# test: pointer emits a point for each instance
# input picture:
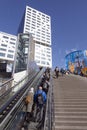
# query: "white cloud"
(71, 50)
(74, 49)
(67, 51)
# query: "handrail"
(21, 82)
(5, 86)
(6, 82)
(49, 115)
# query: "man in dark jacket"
(40, 98)
(40, 92)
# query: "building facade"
(39, 25)
(7, 46)
(7, 50)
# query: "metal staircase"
(70, 103)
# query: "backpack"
(40, 99)
(45, 86)
(27, 99)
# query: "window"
(48, 55)
(10, 51)
(48, 63)
(5, 37)
(12, 43)
(38, 61)
(43, 62)
(10, 56)
(43, 58)
(4, 45)
(43, 54)
(13, 39)
(49, 59)
(2, 54)
(2, 49)
(48, 49)
(34, 11)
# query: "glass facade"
(22, 54)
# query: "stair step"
(70, 128)
(70, 104)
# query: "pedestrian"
(46, 85)
(29, 103)
(56, 72)
(40, 98)
(62, 71)
(37, 94)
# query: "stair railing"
(49, 115)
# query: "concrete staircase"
(70, 103)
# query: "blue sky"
(68, 20)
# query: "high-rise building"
(39, 25)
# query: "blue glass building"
(76, 60)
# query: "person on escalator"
(46, 85)
(29, 103)
(39, 105)
(40, 96)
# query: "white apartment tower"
(39, 25)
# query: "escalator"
(10, 110)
